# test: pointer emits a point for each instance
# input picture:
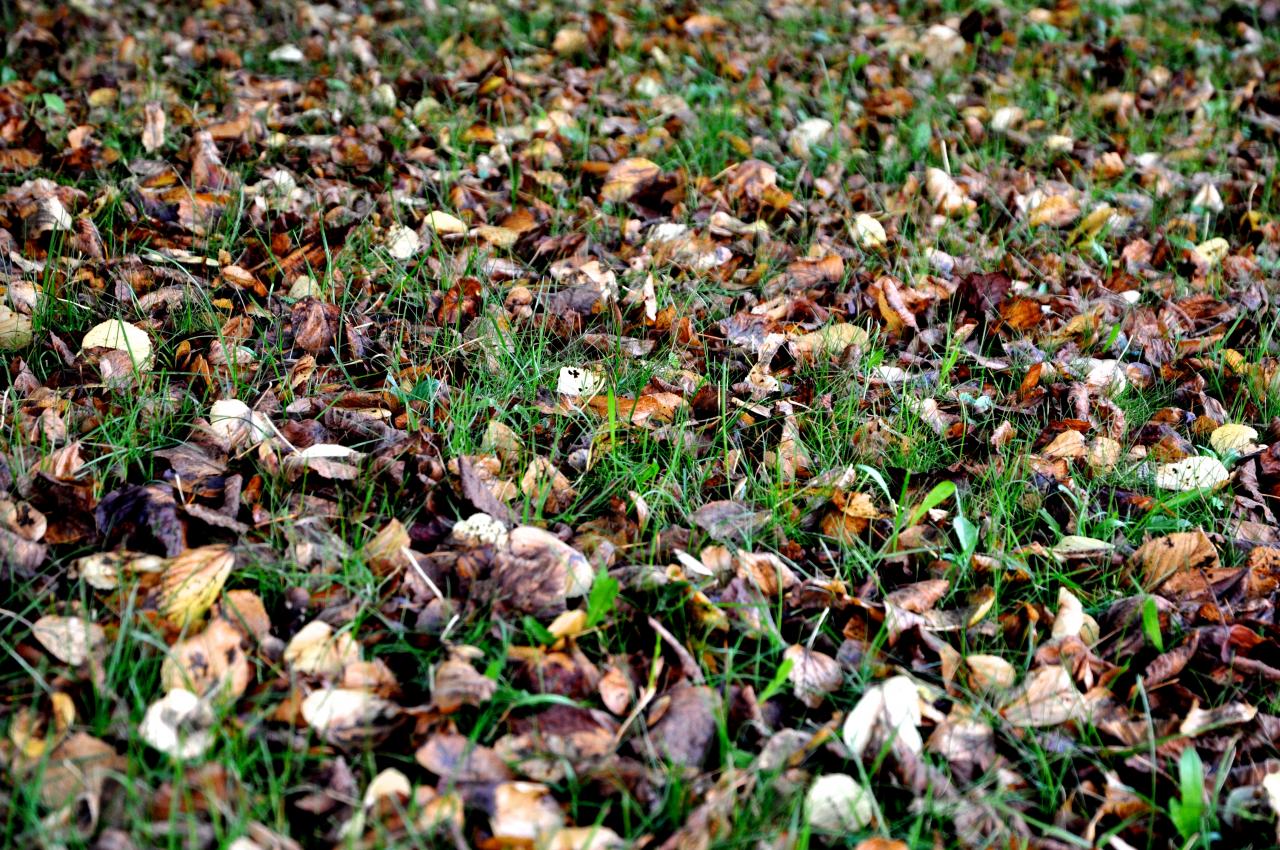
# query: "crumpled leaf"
(179, 724)
(1163, 557)
(1048, 697)
(889, 710)
(813, 675)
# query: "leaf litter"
(651, 426)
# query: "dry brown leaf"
(1069, 445)
(1159, 559)
(546, 486)
(1048, 697)
(458, 683)
(684, 724)
(617, 690)
(537, 571)
(990, 672)
(813, 675)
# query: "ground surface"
(863, 420)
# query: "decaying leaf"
(71, 640)
(685, 726)
(1163, 557)
(813, 675)
(1199, 472)
(317, 651)
(179, 724)
(1048, 697)
(537, 571)
(837, 804)
(211, 663)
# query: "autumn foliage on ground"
(571, 426)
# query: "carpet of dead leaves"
(377, 201)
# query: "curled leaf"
(179, 724)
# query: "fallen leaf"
(457, 683)
(1163, 557)
(153, 126)
(118, 335)
(1232, 437)
(836, 804)
(210, 664)
(317, 651)
(71, 640)
(179, 725)
(524, 813)
(1048, 697)
(15, 330)
(813, 675)
(627, 178)
(537, 571)
(191, 582)
(1199, 472)
(888, 711)
(686, 725)
(346, 716)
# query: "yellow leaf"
(192, 581)
(121, 336)
(627, 178)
